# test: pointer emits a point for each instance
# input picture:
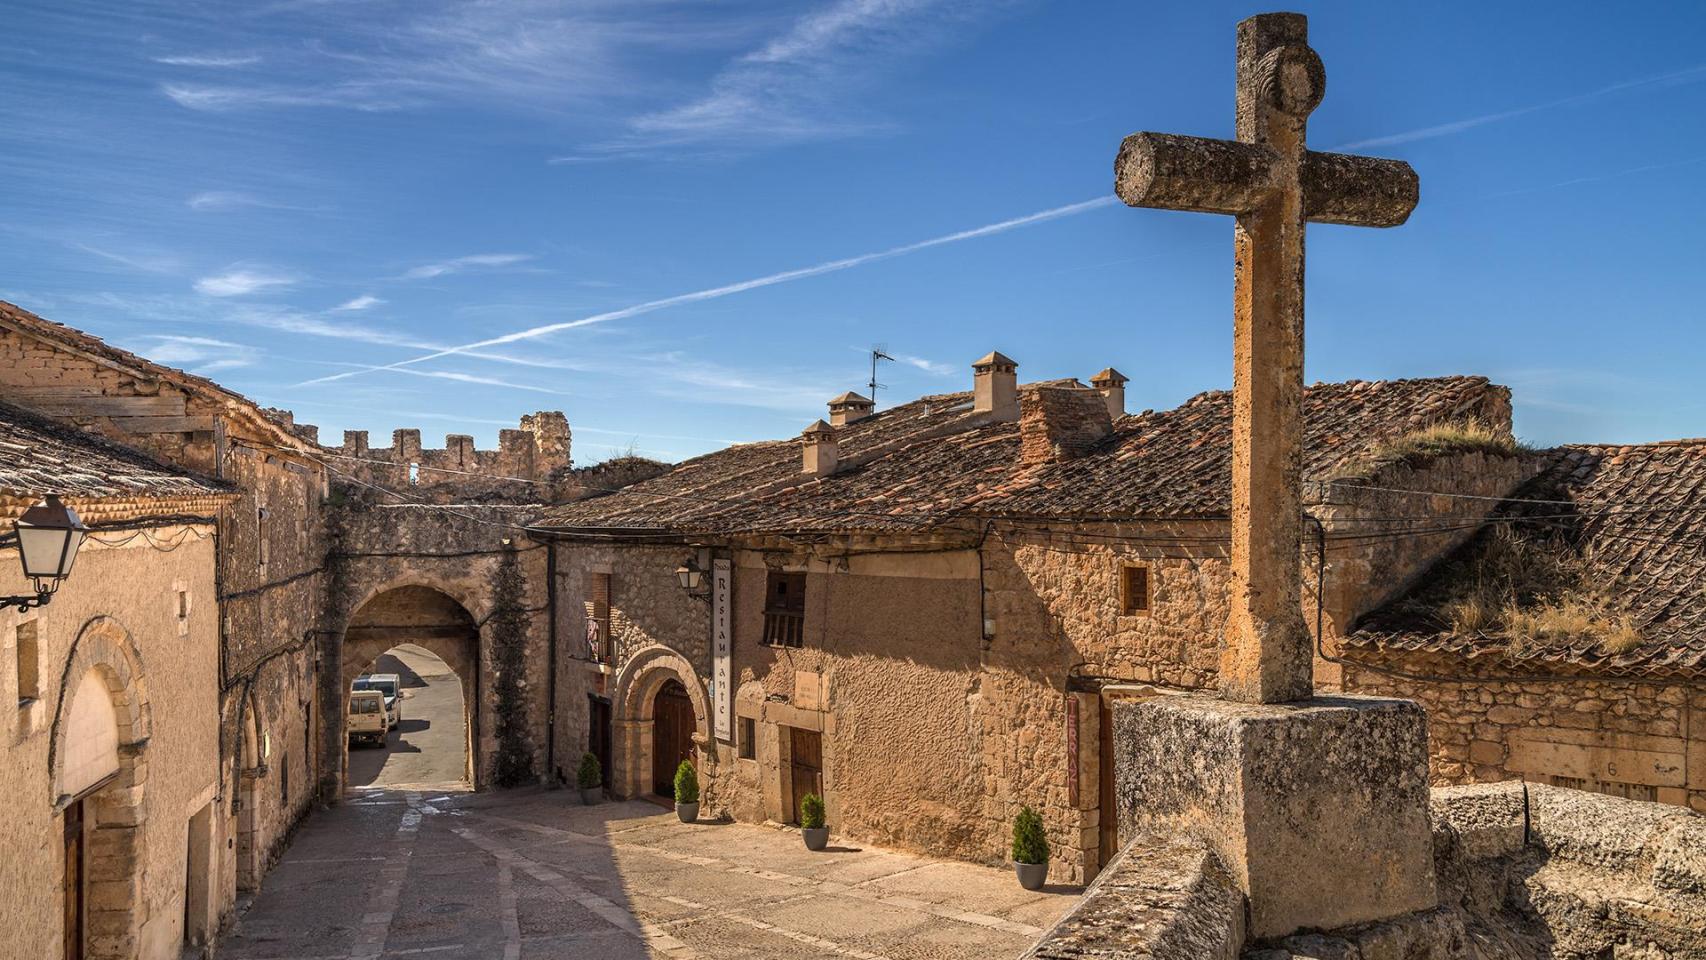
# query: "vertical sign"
(722, 644)
(1071, 750)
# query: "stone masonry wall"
(1642, 740)
(523, 469)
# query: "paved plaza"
(533, 874)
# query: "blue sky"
(277, 193)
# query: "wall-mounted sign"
(722, 648)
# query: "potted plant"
(811, 822)
(1030, 849)
(590, 778)
(686, 792)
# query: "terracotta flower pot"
(688, 812)
(816, 837)
(1032, 876)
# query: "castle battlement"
(527, 461)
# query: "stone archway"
(426, 617)
(251, 761)
(642, 678)
(97, 775)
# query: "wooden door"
(672, 736)
(73, 886)
(598, 734)
(805, 767)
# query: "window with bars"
(785, 609)
(1134, 590)
(598, 617)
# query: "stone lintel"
(1318, 809)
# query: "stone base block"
(1319, 809)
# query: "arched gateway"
(425, 617)
(97, 778)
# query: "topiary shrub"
(686, 783)
(589, 775)
(811, 811)
(1030, 845)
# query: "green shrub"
(811, 811)
(1029, 843)
(686, 783)
(589, 775)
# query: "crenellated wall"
(530, 465)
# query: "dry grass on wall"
(1534, 591)
(1419, 447)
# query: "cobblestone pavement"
(533, 874)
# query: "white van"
(391, 686)
(367, 717)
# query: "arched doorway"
(98, 780)
(428, 745)
(251, 767)
(661, 718)
(404, 631)
(672, 735)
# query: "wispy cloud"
(928, 366)
(459, 264)
(220, 201)
(713, 293)
(1689, 75)
(798, 85)
(472, 378)
(201, 355)
(529, 54)
(239, 281)
(209, 61)
(145, 262)
(366, 301)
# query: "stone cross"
(1273, 185)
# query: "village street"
(533, 874)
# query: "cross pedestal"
(1318, 806)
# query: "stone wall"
(450, 558)
(269, 559)
(119, 614)
(523, 469)
(1642, 740)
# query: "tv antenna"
(876, 354)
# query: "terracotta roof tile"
(1633, 518)
(39, 456)
(935, 462)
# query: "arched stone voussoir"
(646, 672)
(104, 645)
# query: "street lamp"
(689, 575)
(49, 534)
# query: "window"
(29, 663)
(598, 645)
(261, 532)
(414, 473)
(785, 609)
(183, 604)
(748, 739)
(1134, 590)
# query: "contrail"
(714, 293)
(1458, 126)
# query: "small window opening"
(1134, 590)
(183, 604)
(414, 473)
(29, 663)
(748, 739)
(785, 609)
(598, 617)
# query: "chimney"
(1061, 423)
(1110, 383)
(849, 408)
(995, 385)
(818, 452)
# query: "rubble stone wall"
(522, 469)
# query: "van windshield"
(387, 687)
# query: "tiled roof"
(39, 456)
(1632, 519)
(934, 461)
